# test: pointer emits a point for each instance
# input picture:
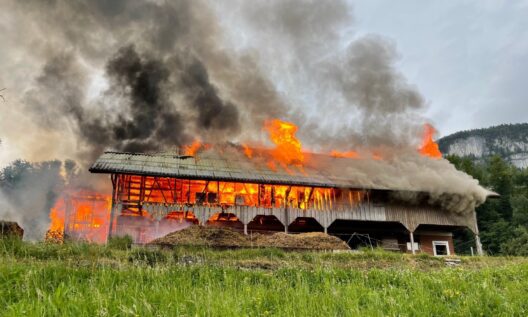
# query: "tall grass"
(88, 280)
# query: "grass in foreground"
(89, 280)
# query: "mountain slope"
(510, 141)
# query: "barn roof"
(417, 174)
(212, 167)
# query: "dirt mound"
(225, 237)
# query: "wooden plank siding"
(409, 216)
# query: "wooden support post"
(411, 234)
(326, 230)
(477, 237)
(245, 229)
(286, 219)
(116, 183)
(478, 245)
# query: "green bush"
(150, 257)
(120, 243)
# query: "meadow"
(79, 279)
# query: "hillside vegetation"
(115, 280)
(503, 222)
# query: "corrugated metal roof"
(218, 168)
(318, 170)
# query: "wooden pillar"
(478, 245)
(286, 219)
(115, 194)
(411, 234)
(245, 229)
(477, 237)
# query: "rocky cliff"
(510, 141)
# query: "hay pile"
(196, 235)
(225, 237)
(310, 240)
(10, 229)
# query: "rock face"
(509, 141)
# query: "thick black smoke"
(167, 80)
(213, 112)
(149, 120)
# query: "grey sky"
(469, 59)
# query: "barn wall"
(426, 243)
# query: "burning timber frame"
(187, 188)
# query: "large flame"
(287, 149)
(81, 214)
(429, 146)
(192, 148)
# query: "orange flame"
(57, 217)
(193, 148)
(348, 154)
(287, 147)
(429, 146)
(247, 151)
(81, 214)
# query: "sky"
(469, 59)
(349, 73)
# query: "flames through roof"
(212, 167)
(230, 164)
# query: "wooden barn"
(160, 193)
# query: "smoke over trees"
(28, 192)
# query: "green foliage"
(519, 244)
(500, 220)
(93, 280)
(120, 243)
(150, 257)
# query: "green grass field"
(78, 279)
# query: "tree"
(518, 245)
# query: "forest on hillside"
(503, 222)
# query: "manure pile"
(225, 237)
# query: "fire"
(287, 149)
(247, 150)
(429, 146)
(57, 217)
(193, 148)
(348, 154)
(81, 214)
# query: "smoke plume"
(28, 192)
(85, 76)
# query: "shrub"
(150, 257)
(120, 243)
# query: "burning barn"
(251, 190)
